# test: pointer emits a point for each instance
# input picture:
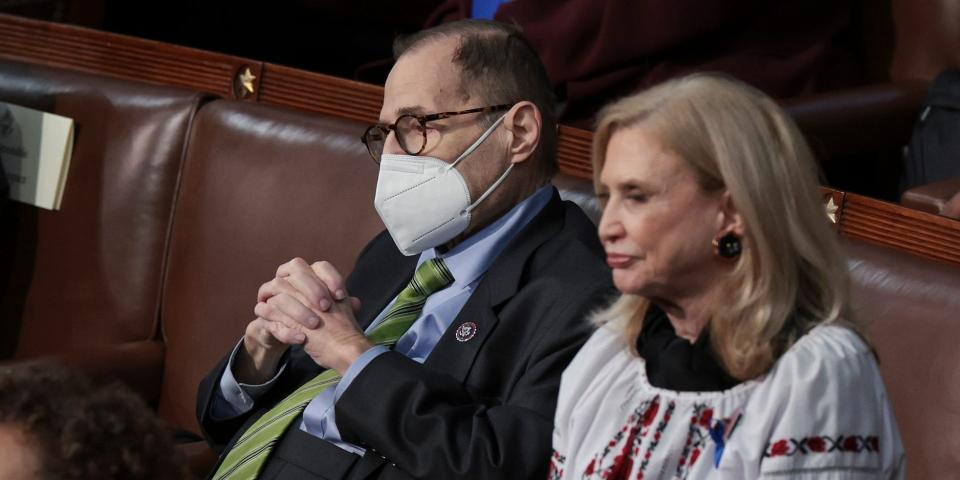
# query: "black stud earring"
(727, 246)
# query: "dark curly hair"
(84, 431)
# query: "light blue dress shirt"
(468, 262)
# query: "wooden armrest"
(932, 197)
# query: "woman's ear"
(729, 219)
(524, 124)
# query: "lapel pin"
(466, 331)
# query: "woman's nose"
(610, 227)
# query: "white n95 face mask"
(424, 201)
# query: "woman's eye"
(637, 197)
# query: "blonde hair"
(791, 275)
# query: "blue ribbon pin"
(716, 433)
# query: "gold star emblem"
(246, 79)
(831, 210)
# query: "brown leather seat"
(87, 277)
(935, 197)
(951, 208)
(260, 186)
(912, 309)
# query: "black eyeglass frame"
(422, 120)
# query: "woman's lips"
(615, 260)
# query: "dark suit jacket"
(476, 409)
(4, 187)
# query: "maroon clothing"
(597, 50)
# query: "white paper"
(35, 148)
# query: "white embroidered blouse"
(820, 413)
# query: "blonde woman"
(731, 352)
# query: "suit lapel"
(499, 284)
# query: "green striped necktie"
(248, 455)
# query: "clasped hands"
(305, 304)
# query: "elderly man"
(440, 356)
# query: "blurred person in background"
(55, 424)
(598, 51)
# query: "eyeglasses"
(411, 130)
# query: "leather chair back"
(89, 274)
(911, 307)
(261, 185)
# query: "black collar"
(673, 363)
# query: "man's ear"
(524, 124)
(729, 219)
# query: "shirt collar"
(471, 258)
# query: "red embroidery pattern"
(619, 456)
(625, 444)
(656, 438)
(696, 439)
(557, 463)
(789, 447)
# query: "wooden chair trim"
(892, 225)
(130, 58)
(120, 56)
